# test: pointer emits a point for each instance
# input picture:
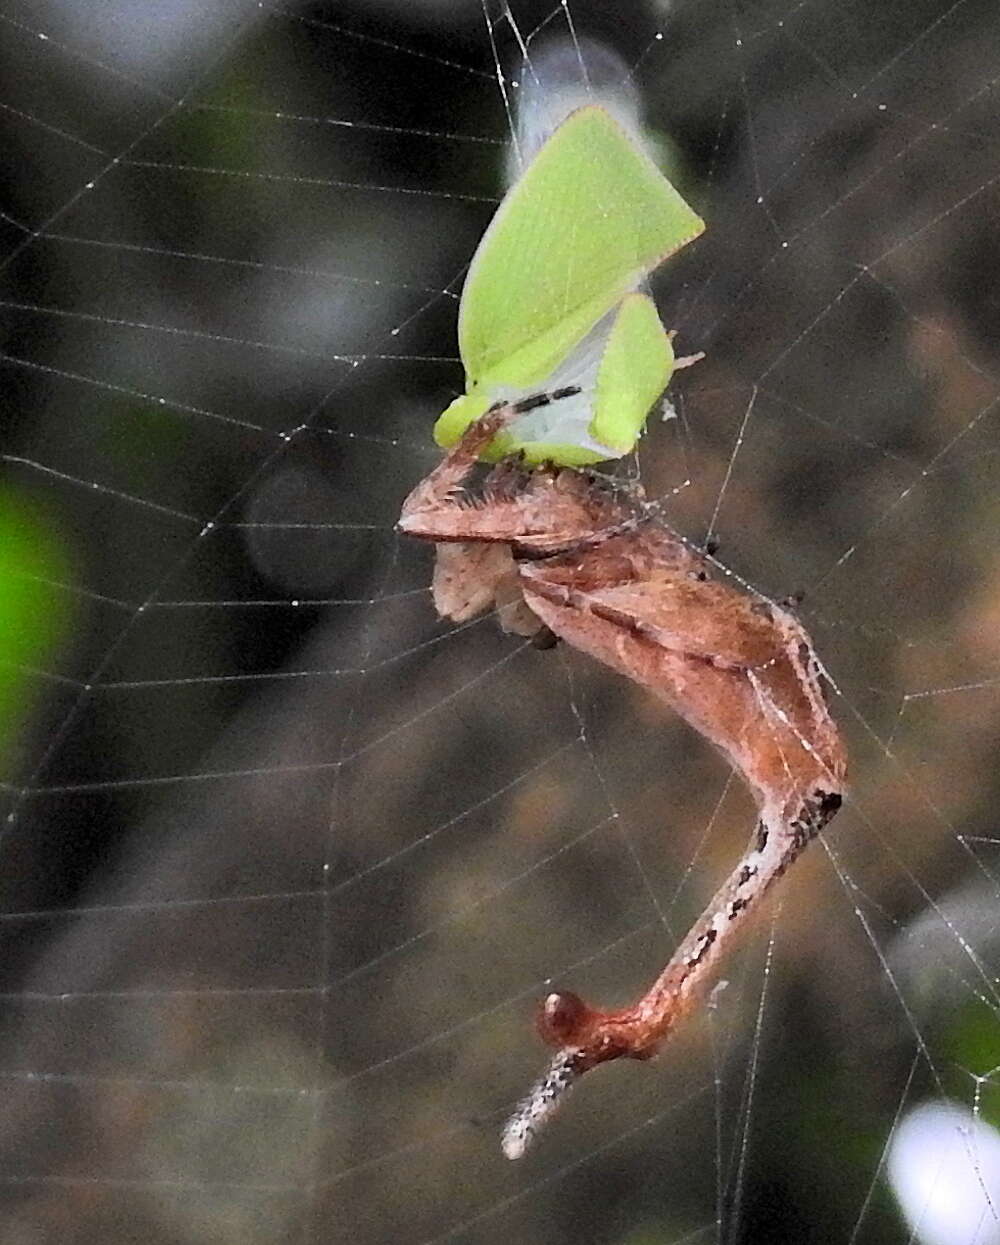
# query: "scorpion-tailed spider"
(560, 553)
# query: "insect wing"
(586, 221)
(635, 368)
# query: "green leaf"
(582, 227)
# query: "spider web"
(286, 862)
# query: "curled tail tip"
(532, 1112)
(514, 1141)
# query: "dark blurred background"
(286, 861)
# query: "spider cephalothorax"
(559, 549)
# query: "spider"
(559, 553)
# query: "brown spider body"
(555, 548)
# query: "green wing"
(588, 219)
(636, 365)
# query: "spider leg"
(438, 489)
(687, 360)
(678, 612)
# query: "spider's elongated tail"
(534, 1110)
(585, 1036)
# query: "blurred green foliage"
(33, 611)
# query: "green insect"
(552, 301)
